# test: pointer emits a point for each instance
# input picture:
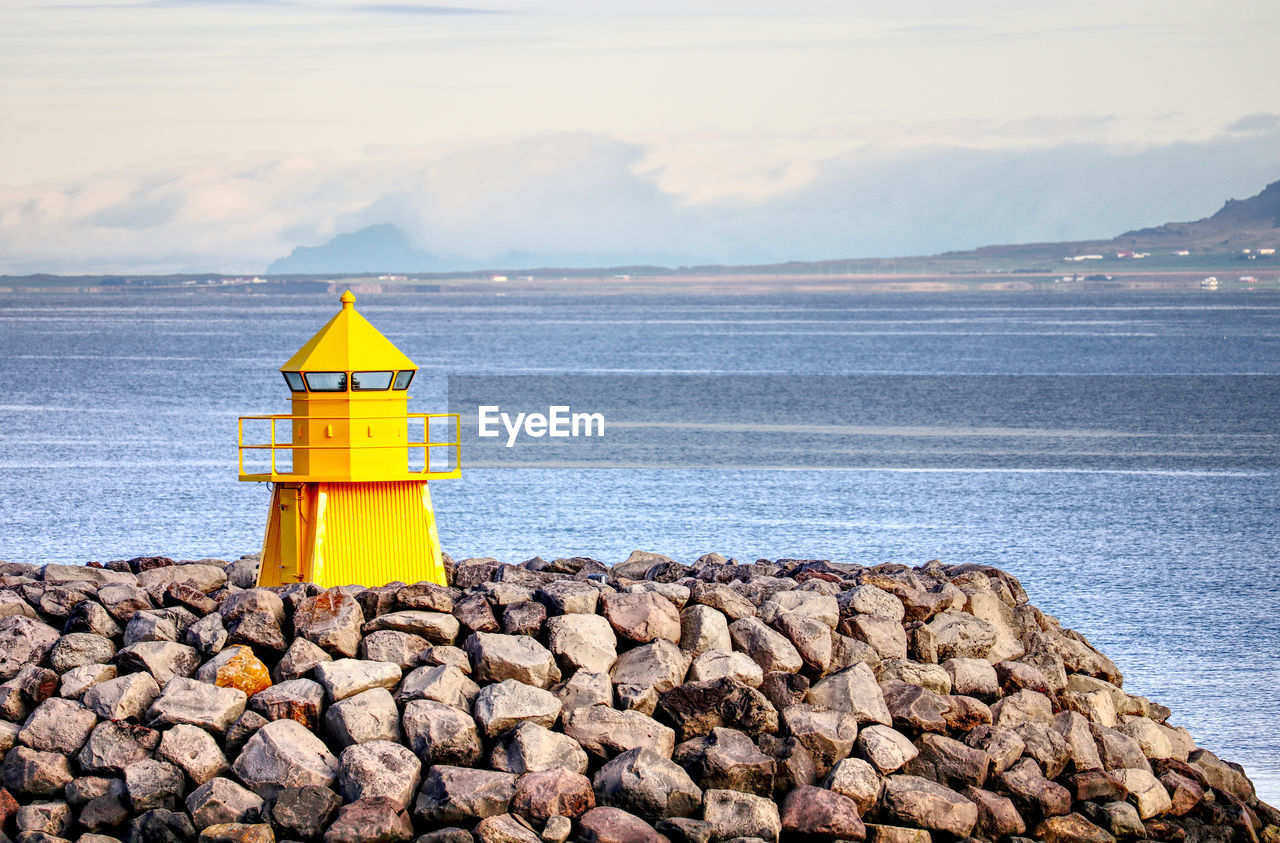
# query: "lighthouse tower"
(349, 464)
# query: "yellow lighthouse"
(350, 464)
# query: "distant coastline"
(1231, 275)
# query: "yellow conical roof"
(348, 343)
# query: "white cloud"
(585, 199)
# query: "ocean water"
(1148, 521)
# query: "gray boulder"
(870, 600)
(583, 689)
(703, 628)
(648, 785)
(961, 635)
(828, 734)
(532, 748)
(253, 617)
(196, 703)
(949, 762)
(149, 626)
(724, 599)
(931, 677)
(153, 784)
(31, 773)
(299, 660)
(284, 753)
(496, 658)
(921, 803)
(367, 716)
(373, 820)
(58, 725)
(813, 640)
(207, 635)
(243, 573)
(162, 659)
(392, 645)
(461, 795)
(220, 800)
(90, 616)
(43, 818)
(122, 600)
(443, 683)
(767, 648)
(436, 627)
(808, 604)
(972, 677)
(856, 779)
(885, 748)
(77, 649)
(1022, 707)
(53, 574)
(77, 681)
(569, 597)
(585, 642)
(604, 732)
(501, 706)
(853, 690)
(660, 665)
(885, 636)
(713, 664)
(113, 745)
(123, 698)
(441, 734)
(727, 759)
(732, 815)
(161, 826)
(304, 812)
(206, 578)
(378, 769)
(194, 751)
(347, 677)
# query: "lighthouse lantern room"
(350, 464)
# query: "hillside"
(1246, 223)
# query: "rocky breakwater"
(652, 701)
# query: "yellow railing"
(274, 445)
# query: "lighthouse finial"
(348, 300)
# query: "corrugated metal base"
(366, 534)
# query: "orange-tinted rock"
(244, 671)
(8, 806)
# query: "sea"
(1118, 451)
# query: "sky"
(218, 135)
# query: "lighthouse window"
(404, 378)
(294, 380)
(370, 381)
(326, 381)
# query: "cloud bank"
(581, 199)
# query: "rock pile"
(649, 702)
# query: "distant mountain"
(1243, 222)
(376, 248)
(1240, 224)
